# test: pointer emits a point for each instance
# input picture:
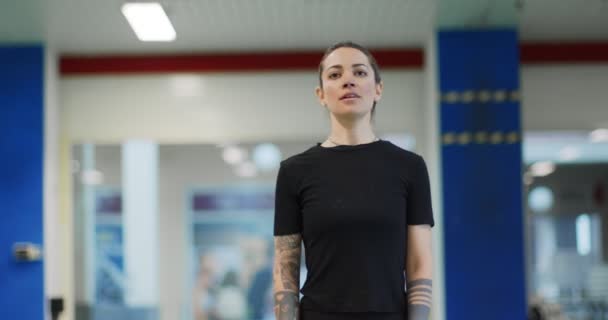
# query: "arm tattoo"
(290, 271)
(289, 242)
(286, 305)
(419, 295)
(286, 276)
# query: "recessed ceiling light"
(234, 155)
(542, 168)
(149, 21)
(569, 153)
(540, 199)
(267, 156)
(599, 135)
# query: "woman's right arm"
(286, 276)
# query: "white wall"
(216, 107)
(564, 97)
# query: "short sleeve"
(287, 213)
(419, 207)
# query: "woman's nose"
(348, 84)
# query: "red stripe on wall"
(563, 53)
(74, 65)
(530, 53)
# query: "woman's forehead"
(345, 57)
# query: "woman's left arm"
(419, 271)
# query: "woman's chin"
(351, 113)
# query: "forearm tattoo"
(419, 297)
(286, 276)
(286, 305)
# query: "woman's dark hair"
(367, 53)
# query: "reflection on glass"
(566, 250)
(583, 234)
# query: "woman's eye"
(360, 73)
(333, 75)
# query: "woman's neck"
(350, 134)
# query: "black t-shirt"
(352, 205)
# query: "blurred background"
(140, 143)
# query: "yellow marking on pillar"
(451, 97)
(500, 95)
(496, 137)
(512, 137)
(484, 96)
(449, 138)
(514, 96)
(468, 96)
(481, 137)
(464, 138)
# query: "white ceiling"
(568, 20)
(92, 26)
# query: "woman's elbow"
(419, 268)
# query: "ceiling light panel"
(149, 21)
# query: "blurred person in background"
(231, 302)
(254, 257)
(205, 289)
(260, 286)
(361, 206)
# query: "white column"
(432, 155)
(53, 226)
(604, 236)
(140, 222)
(87, 249)
(66, 218)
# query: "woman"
(360, 204)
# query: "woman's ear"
(379, 88)
(320, 96)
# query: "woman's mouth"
(349, 96)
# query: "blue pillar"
(482, 174)
(21, 179)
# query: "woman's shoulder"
(401, 154)
(304, 157)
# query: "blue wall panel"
(21, 178)
(482, 180)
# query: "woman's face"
(349, 88)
